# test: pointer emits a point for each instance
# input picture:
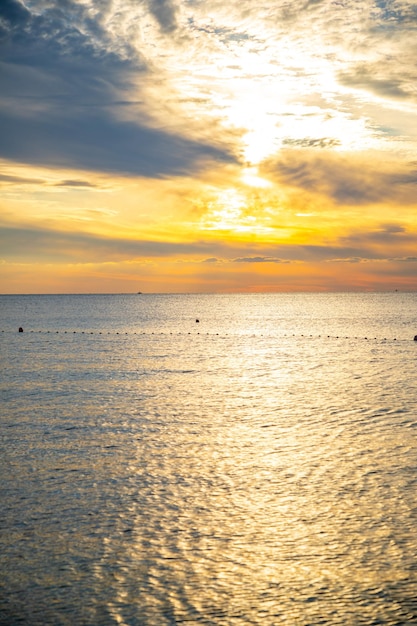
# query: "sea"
(216, 460)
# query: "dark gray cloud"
(388, 236)
(389, 86)
(12, 13)
(92, 140)
(310, 142)
(64, 92)
(312, 3)
(348, 181)
(342, 181)
(164, 11)
(75, 183)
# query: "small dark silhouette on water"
(415, 337)
(197, 321)
(20, 329)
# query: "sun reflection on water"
(238, 475)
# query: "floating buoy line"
(166, 333)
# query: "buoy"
(21, 331)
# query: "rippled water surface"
(258, 466)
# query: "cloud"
(407, 259)
(346, 179)
(387, 237)
(65, 91)
(95, 141)
(260, 259)
(212, 259)
(373, 79)
(354, 259)
(26, 243)
(10, 179)
(342, 181)
(75, 183)
(47, 245)
(12, 13)
(20, 180)
(397, 13)
(309, 142)
(164, 12)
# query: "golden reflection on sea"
(257, 503)
(225, 476)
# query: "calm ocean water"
(258, 466)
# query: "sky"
(205, 146)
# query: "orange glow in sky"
(181, 147)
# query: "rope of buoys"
(20, 330)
